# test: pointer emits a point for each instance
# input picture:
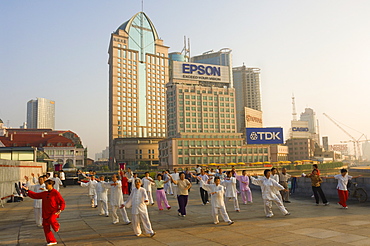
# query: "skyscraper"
(41, 114)
(138, 72)
(310, 116)
(248, 93)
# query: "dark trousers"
(318, 191)
(204, 195)
(183, 201)
(129, 187)
(64, 183)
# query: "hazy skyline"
(318, 50)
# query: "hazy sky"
(319, 50)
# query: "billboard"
(200, 72)
(264, 135)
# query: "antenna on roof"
(142, 5)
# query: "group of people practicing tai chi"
(218, 185)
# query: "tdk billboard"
(265, 135)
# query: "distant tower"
(41, 114)
(294, 110)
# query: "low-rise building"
(62, 146)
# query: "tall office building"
(138, 72)
(248, 93)
(222, 57)
(41, 114)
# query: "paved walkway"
(307, 225)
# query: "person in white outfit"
(217, 193)
(138, 201)
(131, 182)
(92, 190)
(148, 182)
(102, 193)
(57, 181)
(231, 191)
(275, 176)
(269, 189)
(116, 200)
(175, 176)
(62, 177)
(168, 185)
(37, 203)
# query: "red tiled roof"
(36, 138)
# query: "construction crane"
(356, 142)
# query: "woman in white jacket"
(231, 192)
(116, 199)
(37, 204)
(269, 188)
(102, 192)
(138, 201)
(92, 190)
(217, 193)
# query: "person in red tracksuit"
(52, 205)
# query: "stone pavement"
(81, 225)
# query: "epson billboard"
(200, 71)
(265, 135)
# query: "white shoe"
(287, 214)
(127, 223)
(269, 216)
(138, 235)
(115, 222)
(53, 243)
(230, 222)
(216, 223)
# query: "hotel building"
(138, 73)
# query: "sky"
(317, 50)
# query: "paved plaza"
(81, 225)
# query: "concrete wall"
(14, 171)
(304, 188)
(329, 186)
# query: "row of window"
(222, 151)
(222, 159)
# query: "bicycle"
(357, 192)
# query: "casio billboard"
(265, 135)
(300, 129)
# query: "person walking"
(52, 205)
(183, 186)
(138, 201)
(62, 177)
(268, 189)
